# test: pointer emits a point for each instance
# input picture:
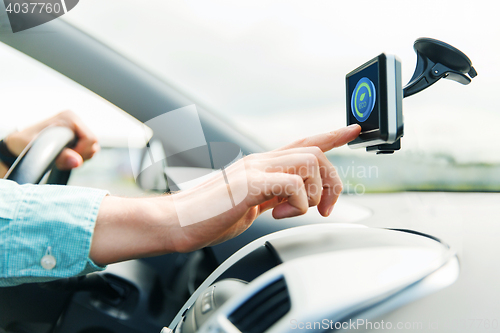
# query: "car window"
(31, 92)
(275, 70)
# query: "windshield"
(275, 70)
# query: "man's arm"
(288, 180)
(84, 229)
(41, 221)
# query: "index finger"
(327, 141)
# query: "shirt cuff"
(49, 233)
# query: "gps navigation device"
(374, 97)
(374, 91)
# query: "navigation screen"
(362, 100)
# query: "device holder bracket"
(435, 60)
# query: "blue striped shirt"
(41, 220)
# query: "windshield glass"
(276, 70)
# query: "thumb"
(68, 159)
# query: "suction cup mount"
(437, 60)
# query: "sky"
(276, 69)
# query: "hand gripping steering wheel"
(39, 157)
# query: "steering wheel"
(40, 155)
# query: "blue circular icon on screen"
(363, 99)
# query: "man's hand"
(85, 148)
(287, 180)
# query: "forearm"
(128, 228)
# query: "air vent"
(263, 309)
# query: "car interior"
(411, 243)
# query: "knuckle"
(296, 181)
(59, 122)
(316, 150)
(251, 158)
(311, 159)
(338, 188)
(303, 210)
(300, 142)
(67, 113)
(334, 135)
(93, 139)
(315, 196)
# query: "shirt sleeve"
(46, 231)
